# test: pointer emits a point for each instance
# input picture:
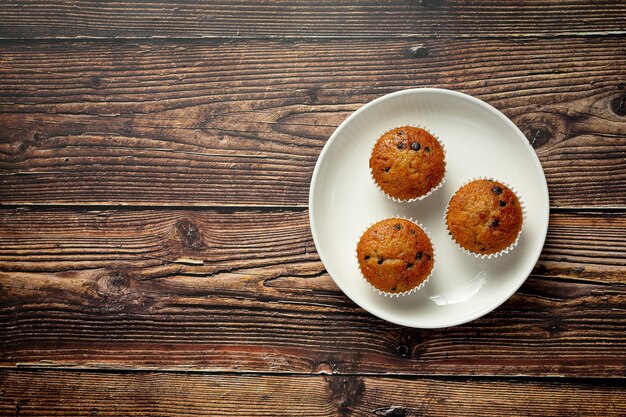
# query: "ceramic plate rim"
(489, 108)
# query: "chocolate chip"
(380, 261)
(401, 145)
(502, 203)
(412, 231)
(418, 256)
(428, 257)
(397, 227)
(401, 132)
(416, 146)
(367, 257)
(387, 169)
(495, 223)
(427, 149)
(409, 265)
(497, 190)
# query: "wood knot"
(418, 51)
(410, 345)
(392, 411)
(19, 150)
(113, 284)
(538, 137)
(618, 105)
(94, 81)
(403, 350)
(345, 392)
(21, 147)
(189, 234)
(313, 93)
(325, 368)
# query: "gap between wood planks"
(228, 208)
(590, 34)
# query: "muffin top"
(395, 255)
(484, 217)
(407, 162)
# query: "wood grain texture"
(162, 394)
(206, 118)
(242, 123)
(245, 291)
(300, 18)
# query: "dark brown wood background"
(155, 250)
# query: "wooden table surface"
(155, 250)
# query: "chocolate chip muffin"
(484, 217)
(407, 163)
(395, 255)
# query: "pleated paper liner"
(495, 254)
(432, 190)
(412, 290)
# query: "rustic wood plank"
(580, 245)
(300, 18)
(245, 291)
(165, 394)
(242, 123)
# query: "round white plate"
(480, 141)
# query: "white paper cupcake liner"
(412, 290)
(495, 254)
(432, 190)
